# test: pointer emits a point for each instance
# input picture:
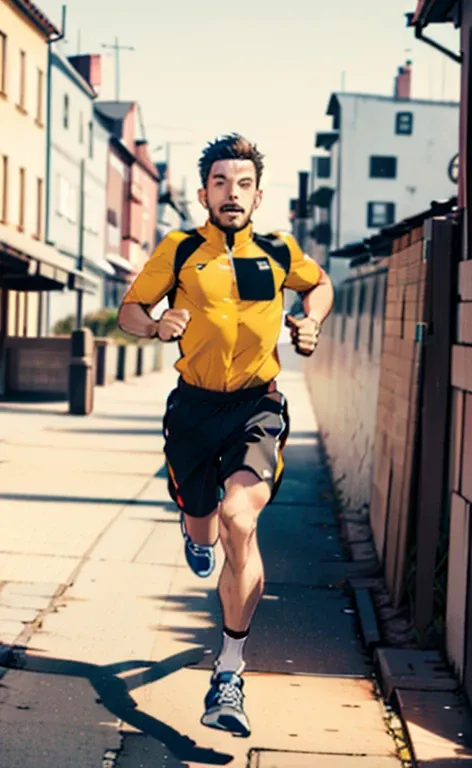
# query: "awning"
(119, 261)
(105, 266)
(31, 265)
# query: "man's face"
(231, 193)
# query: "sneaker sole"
(225, 722)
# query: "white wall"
(368, 128)
(69, 146)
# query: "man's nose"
(233, 192)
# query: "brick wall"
(343, 380)
(460, 470)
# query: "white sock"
(230, 658)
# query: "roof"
(62, 63)
(379, 245)
(334, 100)
(37, 17)
(432, 11)
(326, 139)
(114, 110)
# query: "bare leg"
(242, 577)
(203, 530)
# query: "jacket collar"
(218, 238)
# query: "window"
(81, 128)
(3, 63)
(323, 167)
(404, 123)
(380, 214)
(22, 72)
(66, 199)
(21, 201)
(3, 189)
(40, 98)
(383, 167)
(65, 113)
(90, 139)
(39, 208)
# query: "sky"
(263, 68)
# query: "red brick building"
(133, 192)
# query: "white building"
(77, 185)
(386, 158)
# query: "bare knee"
(241, 508)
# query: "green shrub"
(102, 322)
(65, 326)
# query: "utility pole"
(116, 47)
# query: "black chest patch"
(254, 279)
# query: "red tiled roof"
(37, 16)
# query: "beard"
(216, 218)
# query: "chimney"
(89, 66)
(403, 82)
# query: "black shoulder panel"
(186, 248)
(183, 252)
(275, 248)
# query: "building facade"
(76, 185)
(132, 197)
(29, 268)
(384, 159)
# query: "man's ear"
(202, 197)
(258, 200)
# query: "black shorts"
(211, 435)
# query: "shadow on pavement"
(106, 431)
(167, 505)
(114, 693)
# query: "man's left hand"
(304, 333)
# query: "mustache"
(231, 207)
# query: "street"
(118, 635)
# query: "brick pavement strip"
(128, 647)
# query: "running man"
(226, 422)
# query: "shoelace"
(197, 549)
(229, 693)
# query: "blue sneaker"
(224, 705)
(201, 559)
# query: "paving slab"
(414, 669)
(134, 637)
(439, 726)
(270, 759)
(297, 549)
(295, 630)
(43, 568)
(283, 709)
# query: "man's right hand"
(172, 324)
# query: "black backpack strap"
(276, 248)
(184, 250)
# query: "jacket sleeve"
(304, 273)
(156, 278)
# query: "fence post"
(81, 372)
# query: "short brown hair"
(231, 147)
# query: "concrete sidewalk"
(120, 636)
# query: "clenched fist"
(172, 324)
(304, 332)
